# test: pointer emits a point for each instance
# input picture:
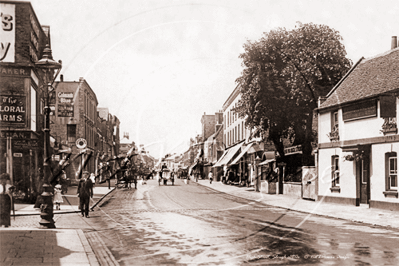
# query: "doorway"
(363, 178)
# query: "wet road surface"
(194, 225)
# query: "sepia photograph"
(199, 132)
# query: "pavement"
(26, 243)
(361, 214)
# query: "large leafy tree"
(285, 72)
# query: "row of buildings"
(355, 157)
(74, 116)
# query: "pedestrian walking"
(64, 181)
(172, 177)
(6, 200)
(210, 177)
(57, 200)
(93, 178)
(85, 192)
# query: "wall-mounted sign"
(14, 71)
(360, 110)
(7, 33)
(15, 134)
(12, 110)
(65, 104)
(65, 110)
(17, 154)
(27, 143)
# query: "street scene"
(199, 132)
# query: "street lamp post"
(48, 65)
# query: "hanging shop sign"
(12, 110)
(81, 143)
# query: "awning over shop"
(270, 156)
(229, 154)
(192, 167)
(267, 161)
(244, 151)
(254, 148)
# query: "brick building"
(23, 39)
(74, 116)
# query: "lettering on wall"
(7, 33)
(65, 104)
(34, 38)
(12, 110)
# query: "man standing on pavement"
(85, 192)
(210, 177)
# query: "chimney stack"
(394, 42)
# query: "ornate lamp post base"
(46, 209)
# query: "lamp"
(47, 65)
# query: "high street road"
(192, 224)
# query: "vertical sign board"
(65, 104)
(7, 33)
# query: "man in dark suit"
(85, 192)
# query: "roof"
(369, 78)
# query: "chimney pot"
(394, 42)
(62, 78)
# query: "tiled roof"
(371, 77)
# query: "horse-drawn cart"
(165, 175)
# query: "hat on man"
(86, 173)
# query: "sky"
(159, 65)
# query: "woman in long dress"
(57, 200)
(6, 202)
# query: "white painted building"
(358, 137)
(234, 129)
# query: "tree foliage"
(284, 74)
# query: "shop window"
(335, 171)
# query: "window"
(335, 171)
(33, 109)
(71, 133)
(238, 132)
(364, 172)
(335, 121)
(393, 172)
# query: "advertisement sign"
(12, 110)
(65, 110)
(65, 104)
(7, 33)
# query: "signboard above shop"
(12, 110)
(360, 110)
